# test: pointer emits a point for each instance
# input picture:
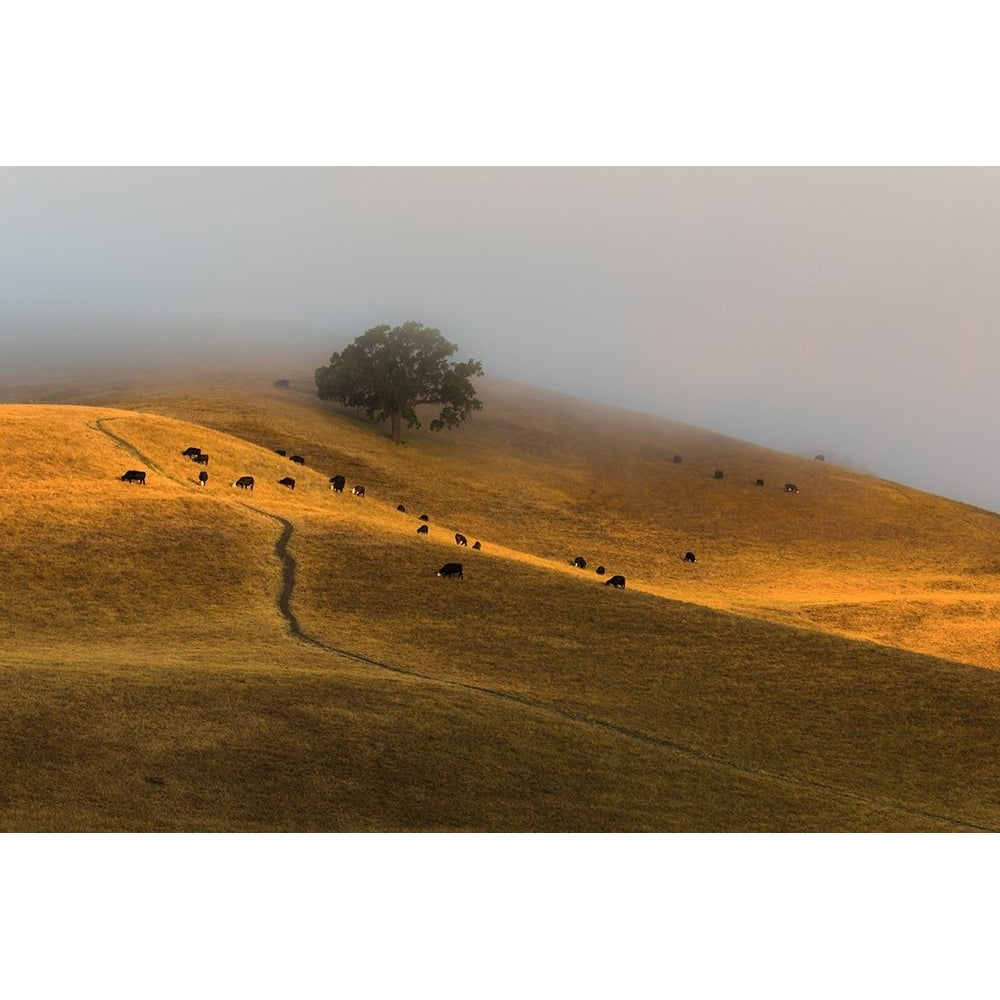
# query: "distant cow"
(298, 459)
(423, 529)
(401, 508)
(281, 383)
(580, 562)
(601, 571)
(791, 488)
(760, 482)
(677, 459)
(616, 581)
(820, 458)
(244, 482)
(719, 474)
(134, 476)
(423, 517)
(476, 545)
(460, 539)
(202, 477)
(451, 569)
(201, 459)
(688, 557)
(281, 452)
(287, 481)
(337, 484)
(358, 491)
(191, 452)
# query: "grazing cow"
(358, 491)
(460, 539)
(450, 570)
(476, 546)
(191, 452)
(287, 481)
(719, 474)
(616, 581)
(202, 477)
(134, 476)
(281, 383)
(821, 458)
(791, 488)
(337, 484)
(401, 508)
(201, 459)
(281, 452)
(298, 459)
(423, 529)
(601, 571)
(677, 459)
(244, 482)
(688, 557)
(580, 562)
(423, 517)
(760, 482)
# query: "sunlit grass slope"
(555, 477)
(150, 681)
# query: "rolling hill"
(186, 658)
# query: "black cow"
(202, 477)
(760, 482)
(287, 481)
(281, 452)
(191, 452)
(298, 460)
(601, 571)
(401, 508)
(451, 569)
(337, 484)
(358, 491)
(460, 539)
(677, 459)
(281, 383)
(134, 476)
(688, 557)
(791, 488)
(580, 562)
(244, 482)
(821, 458)
(423, 517)
(616, 581)
(201, 459)
(476, 545)
(719, 474)
(423, 529)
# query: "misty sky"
(852, 311)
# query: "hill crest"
(544, 477)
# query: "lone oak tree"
(389, 371)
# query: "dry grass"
(150, 682)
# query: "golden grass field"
(179, 658)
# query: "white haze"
(850, 311)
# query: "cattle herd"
(338, 482)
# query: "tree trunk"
(397, 426)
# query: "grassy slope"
(143, 641)
(555, 477)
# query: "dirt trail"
(284, 602)
(98, 425)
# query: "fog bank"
(845, 311)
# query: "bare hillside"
(188, 657)
(556, 477)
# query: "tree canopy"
(389, 371)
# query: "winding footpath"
(284, 606)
